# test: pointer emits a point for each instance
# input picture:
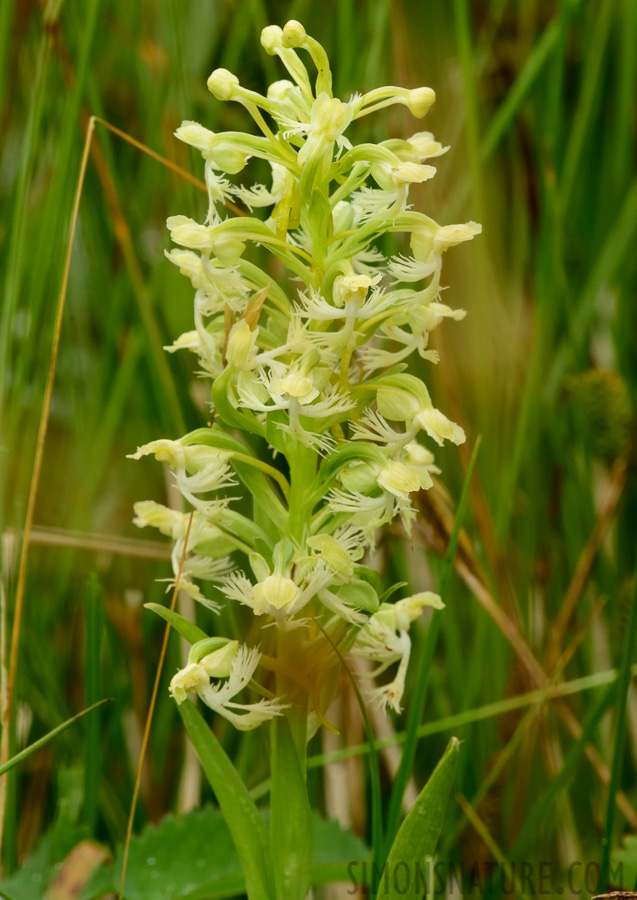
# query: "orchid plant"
(315, 421)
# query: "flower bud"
(240, 350)
(189, 233)
(218, 664)
(227, 158)
(293, 34)
(191, 678)
(331, 552)
(420, 101)
(276, 591)
(196, 135)
(279, 91)
(401, 397)
(222, 83)
(328, 117)
(227, 248)
(422, 244)
(271, 39)
(359, 477)
(343, 216)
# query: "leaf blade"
(246, 826)
(419, 833)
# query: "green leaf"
(418, 835)
(222, 397)
(192, 633)
(290, 815)
(42, 865)
(359, 595)
(624, 861)
(193, 857)
(246, 825)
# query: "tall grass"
(538, 103)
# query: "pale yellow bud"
(189, 233)
(336, 557)
(294, 34)
(227, 248)
(227, 158)
(343, 216)
(271, 39)
(196, 135)
(280, 90)
(328, 118)
(397, 404)
(422, 244)
(222, 84)
(359, 477)
(241, 345)
(420, 101)
(218, 664)
(276, 591)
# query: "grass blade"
(94, 631)
(37, 745)
(625, 671)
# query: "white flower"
(219, 695)
(385, 640)
(188, 679)
(450, 235)
(400, 479)
(439, 427)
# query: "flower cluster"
(314, 367)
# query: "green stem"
(302, 473)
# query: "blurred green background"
(537, 100)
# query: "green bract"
(313, 365)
